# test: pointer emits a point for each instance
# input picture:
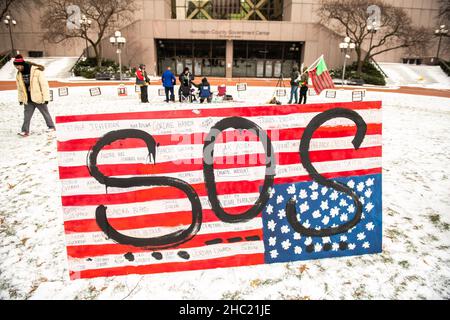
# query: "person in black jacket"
(303, 92)
(295, 79)
(142, 80)
(186, 79)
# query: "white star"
(314, 195)
(369, 182)
(343, 203)
(366, 245)
(335, 246)
(351, 246)
(269, 209)
(326, 239)
(334, 195)
(325, 220)
(351, 230)
(368, 193)
(272, 241)
(285, 229)
(344, 217)
(280, 199)
(351, 184)
(370, 226)
(360, 187)
(306, 224)
(369, 207)
(334, 212)
(343, 238)
(314, 186)
(271, 192)
(361, 236)
(361, 199)
(281, 213)
(317, 247)
(324, 190)
(286, 244)
(297, 236)
(303, 194)
(291, 189)
(308, 241)
(324, 205)
(271, 225)
(304, 207)
(273, 254)
(297, 250)
(351, 208)
(316, 214)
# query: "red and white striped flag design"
(320, 76)
(145, 212)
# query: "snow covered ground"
(415, 263)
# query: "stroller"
(185, 92)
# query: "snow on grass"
(415, 263)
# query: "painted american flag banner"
(166, 191)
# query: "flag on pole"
(320, 76)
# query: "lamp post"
(85, 24)
(10, 23)
(345, 47)
(439, 33)
(372, 28)
(119, 42)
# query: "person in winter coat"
(168, 80)
(303, 92)
(295, 79)
(186, 79)
(205, 91)
(142, 80)
(33, 92)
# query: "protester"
(168, 80)
(186, 79)
(142, 80)
(205, 91)
(303, 92)
(295, 79)
(33, 92)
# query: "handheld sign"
(330, 94)
(241, 87)
(63, 91)
(122, 91)
(137, 88)
(357, 95)
(95, 91)
(161, 92)
(280, 93)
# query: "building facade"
(224, 38)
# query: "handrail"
(1, 60)
(443, 64)
(378, 68)
(78, 60)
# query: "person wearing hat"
(33, 92)
(142, 80)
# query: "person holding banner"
(303, 92)
(142, 80)
(33, 91)
(168, 80)
(295, 79)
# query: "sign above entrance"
(230, 33)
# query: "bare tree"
(7, 5)
(61, 20)
(396, 31)
(444, 10)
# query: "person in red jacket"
(142, 80)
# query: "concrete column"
(229, 59)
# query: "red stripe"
(86, 251)
(226, 162)
(161, 193)
(198, 138)
(222, 112)
(166, 219)
(225, 262)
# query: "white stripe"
(90, 186)
(90, 129)
(180, 153)
(98, 238)
(145, 258)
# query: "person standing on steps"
(168, 80)
(33, 92)
(142, 80)
(295, 79)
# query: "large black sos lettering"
(208, 168)
(162, 242)
(316, 122)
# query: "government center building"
(220, 38)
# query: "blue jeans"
(294, 94)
